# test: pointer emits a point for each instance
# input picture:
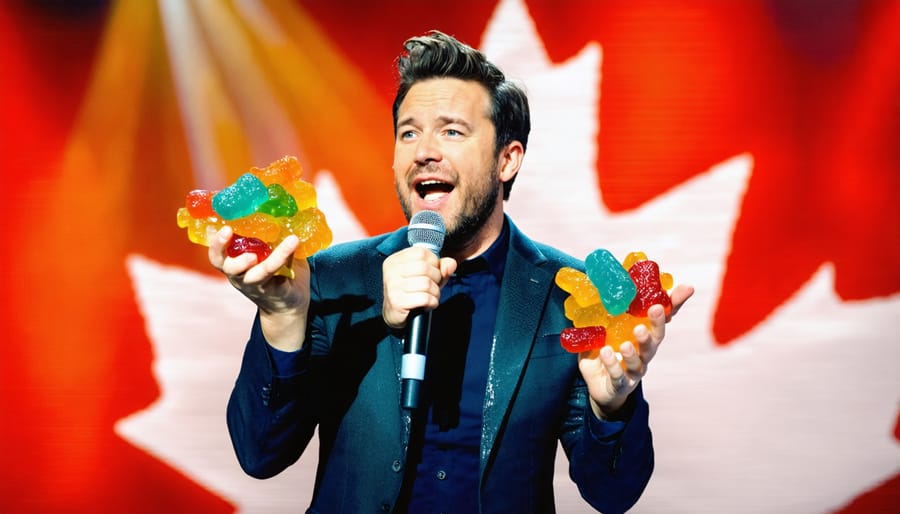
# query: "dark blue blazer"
(349, 388)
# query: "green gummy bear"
(280, 203)
(612, 281)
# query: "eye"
(407, 134)
(453, 133)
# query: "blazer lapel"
(522, 297)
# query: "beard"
(476, 209)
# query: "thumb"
(448, 267)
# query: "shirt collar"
(493, 259)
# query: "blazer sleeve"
(610, 461)
(271, 418)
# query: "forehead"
(445, 97)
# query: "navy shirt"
(443, 462)
(443, 459)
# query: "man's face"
(444, 158)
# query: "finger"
(613, 368)
(421, 284)
(414, 262)
(418, 254)
(634, 362)
(217, 242)
(646, 337)
(448, 267)
(679, 295)
(237, 266)
(657, 329)
(281, 256)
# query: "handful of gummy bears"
(611, 299)
(263, 207)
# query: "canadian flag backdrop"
(751, 147)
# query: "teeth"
(433, 190)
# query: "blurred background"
(752, 148)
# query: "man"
(326, 347)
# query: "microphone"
(426, 229)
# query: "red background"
(810, 88)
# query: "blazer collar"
(393, 242)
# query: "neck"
(481, 241)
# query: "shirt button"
(397, 466)
(441, 475)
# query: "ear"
(510, 160)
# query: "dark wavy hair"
(437, 55)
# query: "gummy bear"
(241, 198)
(259, 225)
(283, 171)
(280, 203)
(240, 244)
(645, 275)
(199, 203)
(310, 228)
(579, 285)
(197, 227)
(287, 173)
(611, 280)
(621, 328)
(593, 314)
(633, 257)
(578, 340)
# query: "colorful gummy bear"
(577, 283)
(645, 275)
(241, 198)
(588, 310)
(280, 203)
(582, 339)
(612, 281)
(241, 244)
(263, 207)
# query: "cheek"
(398, 166)
(399, 182)
(404, 160)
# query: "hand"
(609, 381)
(412, 278)
(283, 302)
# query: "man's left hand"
(609, 381)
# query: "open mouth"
(433, 190)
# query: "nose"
(427, 149)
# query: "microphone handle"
(412, 367)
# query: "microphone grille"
(426, 228)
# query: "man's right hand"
(283, 302)
(413, 278)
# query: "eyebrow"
(450, 120)
(445, 120)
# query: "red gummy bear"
(645, 275)
(582, 339)
(199, 203)
(241, 244)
